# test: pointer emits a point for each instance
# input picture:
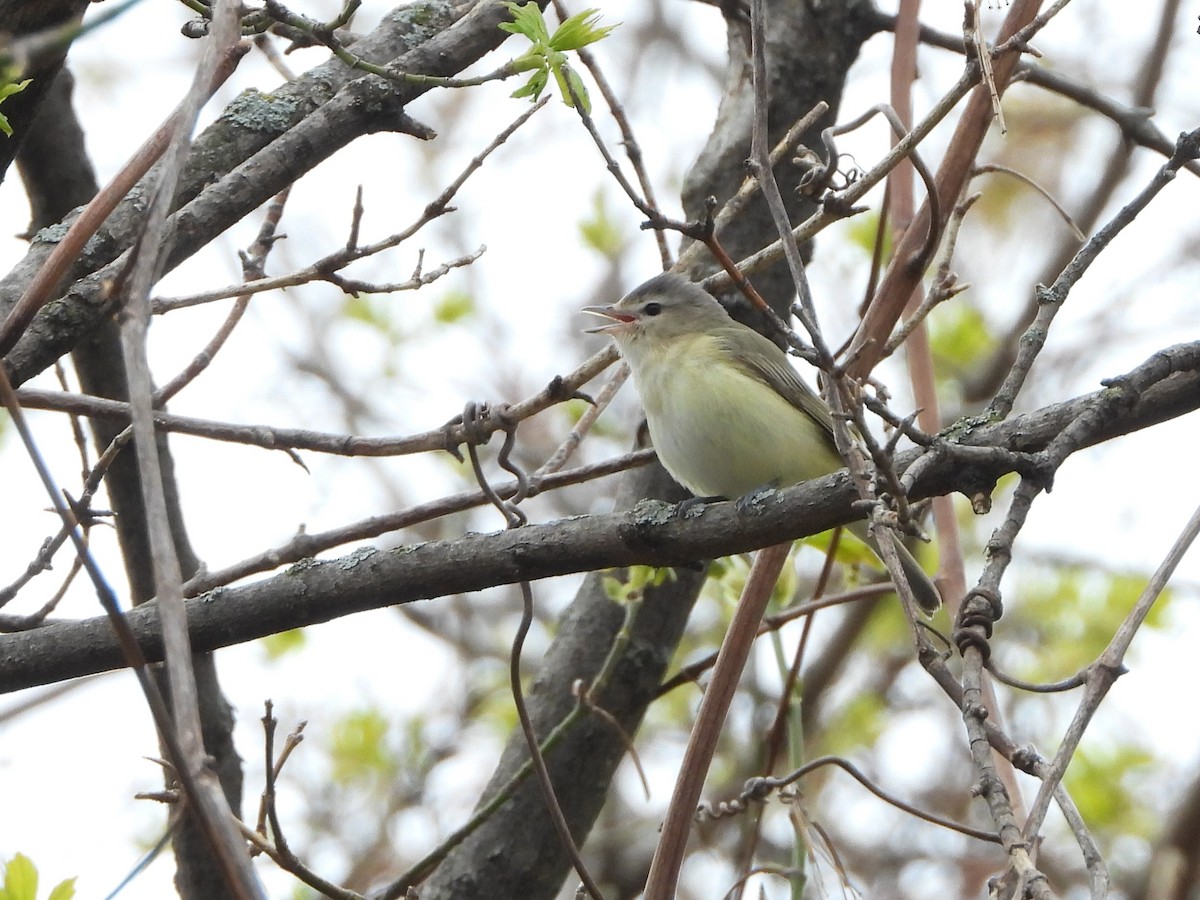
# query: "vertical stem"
(731, 660)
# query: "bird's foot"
(694, 506)
(750, 500)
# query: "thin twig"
(252, 267)
(758, 789)
(326, 268)
(628, 140)
(976, 39)
(1050, 300)
(1103, 673)
(988, 168)
(53, 270)
(449, 436)
(209, 803)
(515, 518)
(571, 442)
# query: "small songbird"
(727, 412)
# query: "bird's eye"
(653, 309)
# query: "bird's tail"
(923, 590)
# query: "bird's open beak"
(619, 319)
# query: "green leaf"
(547, 55)
(600, 232)
(534, 86)
(576, 84)
(454, 307)
(279, 645)
(64, 890)
(360, 751)
(20, 878)
(580, 30)
(374, 312)
(637, 580)
(959, 336)
(863, 232)
(858, 723)
(6, 91)
(527, 20)
(1100, 781)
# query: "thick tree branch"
(261, 144)
(649, 534)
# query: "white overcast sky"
(72, 767)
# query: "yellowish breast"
(722, 432)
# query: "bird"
(726, 411)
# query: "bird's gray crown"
(679, 298)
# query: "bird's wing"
(758, 357)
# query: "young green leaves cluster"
(20, 882)
(548, 54)
(637, 580)
(6, 91)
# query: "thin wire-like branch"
(1102, 674)
(758, 789)
(1050, 300)
(989, 168)
(629, 141)
(515, 518)
(327, 268)
(1054, 687)
(448, 437)
(207, 799)
(690, 674)
(54, 269)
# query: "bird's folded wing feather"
(761, 359)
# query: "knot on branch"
(989, 785)
(976, 618)
(1187, 147)
(478, 421)
(558, 390)
(1026, 759)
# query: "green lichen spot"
(302, 566)
(352, 559)
(253, 110)
(653, 512)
